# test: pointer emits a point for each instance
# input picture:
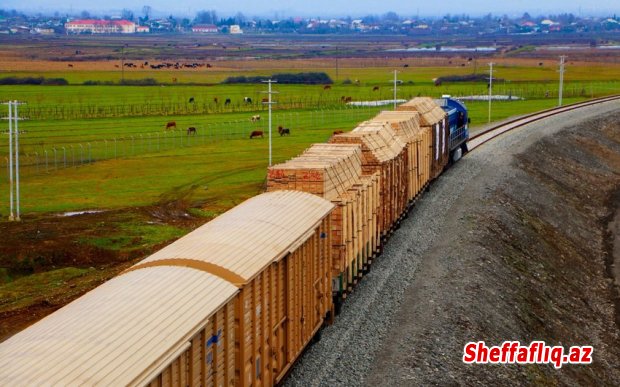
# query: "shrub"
(311, 78)
(33, 81)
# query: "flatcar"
(236, 301)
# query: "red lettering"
(469, 353)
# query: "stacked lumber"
(432, 116)
(334, 172)
(382, 152)
(406, 126)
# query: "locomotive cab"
(458, 120)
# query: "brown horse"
(171, 124)
(327, 87)
(375, 88)
(338, 131)
(256, 133)
(191, 130)
(284, 131)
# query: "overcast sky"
(324, 8)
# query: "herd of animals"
(172, 125)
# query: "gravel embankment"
(357, 349)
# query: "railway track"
(489, 134)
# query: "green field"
(106, 147)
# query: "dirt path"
(508, 245)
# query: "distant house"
(95, 26)
(235, 29)
(143, 29)
(204, 29)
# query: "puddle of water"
(75, 213)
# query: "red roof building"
(95, 26)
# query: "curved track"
(487, 135)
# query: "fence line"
(48, 159)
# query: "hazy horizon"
(318, 8)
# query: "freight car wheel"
(337, 305)
(317, 336)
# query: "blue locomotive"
(458, 121)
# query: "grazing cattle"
(284, 131)
(327, 87)
(70, 65)
(255, 118)
(227, 102)
(146, 63)
(209, 65)
(247, 99)
(348, 99)
(191, 130)
(174, 80)
(437, 82)
(116, 66)
(171, 124)
(191, 99)
(338, 131)
(265, 100)
(375, 88)
(256, 133)
(405, 65)
(215, 99)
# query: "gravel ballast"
(403, 304)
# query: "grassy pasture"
(123, 126)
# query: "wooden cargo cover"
(334, 171)
(435, 118)
(275, 248)
(383, 152)
(407, 127)
(127, 331)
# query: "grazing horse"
(327, 87)
(247, 99)
(284, 131)
(255, 118)
(191, 100)
(256, 133)
(265, 100)
(338, 131)
(227, 102)
(171, 124)
(191, 130)
(375, 88)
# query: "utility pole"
(490, 87)
(562, 59)
(269, 92)
(16, 118)
(123, 64)
(11, 215)
(14, 205)
(395, 87)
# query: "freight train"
(236, 301)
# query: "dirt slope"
(524, 257)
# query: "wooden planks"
(384, 153)
(432, 116)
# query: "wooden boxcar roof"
(405, 123)
(240, 243)
(379, 142)
(430, 112)
(331, 171)
(122, 332)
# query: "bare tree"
(146, 11)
